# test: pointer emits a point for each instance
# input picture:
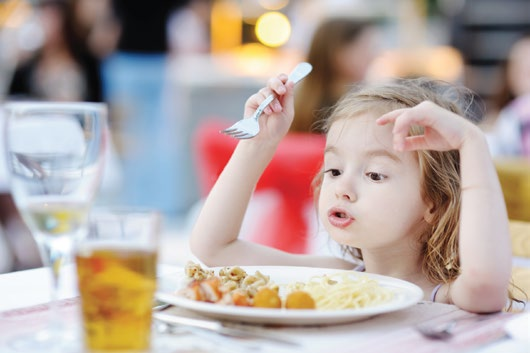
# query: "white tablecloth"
(23, 293)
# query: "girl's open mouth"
(339, 218)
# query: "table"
(22, 307)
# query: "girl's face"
(370, 195)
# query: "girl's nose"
(345, 189)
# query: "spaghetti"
(341, 291)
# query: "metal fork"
(247, 128)
(445, 330)
(438, 332)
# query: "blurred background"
(168, 68)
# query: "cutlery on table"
(438, 332)
(249, 127)
(445, 330)
(221, 329)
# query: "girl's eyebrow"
(330, 149)
(382, 153)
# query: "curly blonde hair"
(440, 171)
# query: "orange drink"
(117, 282)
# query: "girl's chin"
(343, 239)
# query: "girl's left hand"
(443, 129)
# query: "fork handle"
(299, 72)
(263, 105)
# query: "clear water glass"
(54, 153)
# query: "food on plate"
(234, 286)
(204, 290)
(342, 291)
(231, 286)
(195, 271)
(238, 298)
(299, 299)
(267, 298)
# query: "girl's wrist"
(474, 139)
(255, 150)
(261, 145)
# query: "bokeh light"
(226, 30)
(273, 29)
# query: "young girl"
(407, 186)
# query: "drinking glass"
(116, 271)
(54, 155)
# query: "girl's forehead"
(360, 138)
(360, 130)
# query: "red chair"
(290, 173)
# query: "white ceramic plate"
(406, 295)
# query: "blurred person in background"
(97, 25)
(189, 28)
(62, 69)
(341, 51)
(136, 84)
(511, 132)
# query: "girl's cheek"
(322, 204)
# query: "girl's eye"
(332, 172)
(375, 176)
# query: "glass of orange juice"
(116, 270)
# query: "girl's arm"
(214, 239)
(484, 240)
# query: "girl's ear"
(428, 216)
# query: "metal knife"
(219, 328)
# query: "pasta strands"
(340, 291)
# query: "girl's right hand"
(277, 116)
